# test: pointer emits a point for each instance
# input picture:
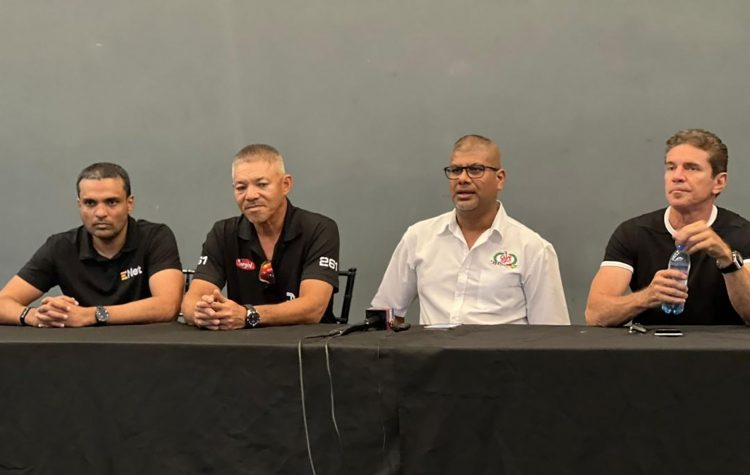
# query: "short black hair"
(101, 170)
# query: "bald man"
(474, 264)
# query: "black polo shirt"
(308, 248)
(69, 260)
(644, 244)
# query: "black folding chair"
(346, 302)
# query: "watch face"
(252, 319)
(738, 259)
(101, 315)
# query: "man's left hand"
(699, 236)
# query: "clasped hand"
(216, 312)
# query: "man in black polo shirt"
(113, 269)
(279, 262)
(718, 287)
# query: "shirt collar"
(672, 230)
(86, 243)
(498, 224)
(291, 228)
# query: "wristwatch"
(735, 265)
(252, 319)
(102, 315)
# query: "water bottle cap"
(680, 247)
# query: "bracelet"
(22, 317)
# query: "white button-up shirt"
(510, 275)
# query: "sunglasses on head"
(265, 273)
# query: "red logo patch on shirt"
(244, 264)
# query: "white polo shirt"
(511, 275)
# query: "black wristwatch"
(102, 315)
(22, 317)
(735, 265)
(252, 319)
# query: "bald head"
(477, 144)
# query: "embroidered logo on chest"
(130, 273)
(244, 264)
(505, 259)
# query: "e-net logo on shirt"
(130, 273)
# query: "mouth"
(464, 194)
(102, 225)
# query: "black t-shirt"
(645, 244)
(69, 260)
(308, 248)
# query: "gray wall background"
(364, 99)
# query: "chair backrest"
(346, 302)
(188, 273)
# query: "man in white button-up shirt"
(475, 264)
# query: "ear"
(720, 182)
(131, 204)
(500, 174)
(286, 184)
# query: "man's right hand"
(53, 312)
(667, 286)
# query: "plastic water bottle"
(680, 260)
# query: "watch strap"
(735, 265)
(22, 317)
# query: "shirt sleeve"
(40, 271)
(163, 253)
(618, 253)
(211, 261)
(322, 257)
(398, 289)
(545, 297)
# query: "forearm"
(738, 288)
(299, 310)
(10, 310)
(612, 311)
(148, 310)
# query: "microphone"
(376, 318)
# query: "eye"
(476, 169)
(112, 202)
(262, 184)
(455, 170)
(239, 188)
(89, 203)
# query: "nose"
(251, 194)
(678, 175)
(101, 210)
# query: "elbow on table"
(593, 316)
(169, 311)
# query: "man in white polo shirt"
(475, 264)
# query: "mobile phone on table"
(668, 332)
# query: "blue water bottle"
(680, 260)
